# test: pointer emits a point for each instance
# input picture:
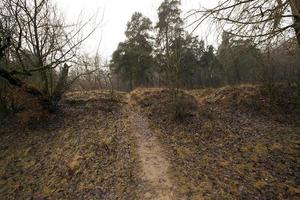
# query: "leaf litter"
(83, 152)
(232, 144)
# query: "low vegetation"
(226, 143)
(230, 144)
(169, 116)
(83, 153)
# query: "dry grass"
(85, 152)
(232, 143)
(282, 100)
(232, 146)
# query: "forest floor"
(227, 143)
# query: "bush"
(181, 105)
(13, 100)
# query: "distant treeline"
(166, 54)
(41, 57)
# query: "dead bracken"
(94, 152)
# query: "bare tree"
(88, 73)
(260, 20)
(36, 41)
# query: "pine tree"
(133, 60)
(169, 39)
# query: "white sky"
(116, 14)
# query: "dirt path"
(153, 161)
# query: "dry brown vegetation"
(231, 145)
(84, 153)
(228, 143)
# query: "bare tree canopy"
(261, 20)
(36, 41)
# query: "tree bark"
(34, 92)
(295, 6)
(12, 80)
(61, 85)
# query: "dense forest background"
(165, 53)
(42, 53)
(140, 59)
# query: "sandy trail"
(153, 160)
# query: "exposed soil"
(228, 146)
(227, 143)
(153, 161)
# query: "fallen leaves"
(260, 149)
(220, 151)
(83, 153)
(74, 164)
(27, 151)
(260, 184)
(232, 147)
(295, 190)
(48, 191)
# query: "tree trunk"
(169, 81)
(34, 92)
(295, 6)
(44, 80)
(61, 85)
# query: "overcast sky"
(116, 14)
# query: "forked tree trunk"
(34, 92)
(48, 103)
(61, 85)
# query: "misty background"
(114, 15)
